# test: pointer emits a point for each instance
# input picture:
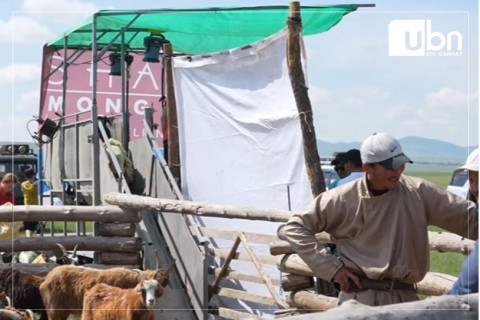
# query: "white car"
(329, 174)
(459, 184)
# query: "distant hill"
(417, 148)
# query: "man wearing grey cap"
(379, 224)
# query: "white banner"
(240, 136)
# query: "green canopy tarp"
(196, 31)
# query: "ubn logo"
(415, 38)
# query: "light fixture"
(153, 44)
(14, 149)
(116, 63)
(45, 132)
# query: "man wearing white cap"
(471, 165)
(379, 224)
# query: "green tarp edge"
(197, 31)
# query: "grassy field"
(442, 179)
(57, 226)
(449, 263)
(71, 227)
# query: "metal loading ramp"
(170, 234)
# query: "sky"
(360, 81)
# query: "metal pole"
(41, 177)
(96, 145)
(125, 114)
(78, 54)
(121, 32)
(41, 181)
(51, 180)
(62, 129)
(80, 224)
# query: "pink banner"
(144, 90)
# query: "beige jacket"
(381, 237)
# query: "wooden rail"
(44, 268)
(195, 208)
(310, 300)
(68, 213)
(435, 308)
(88, 243)
(432, 284)
(440, 241)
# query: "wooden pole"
(173, 141)
(44, 268)
(67, 213)
(195, 208)
(444, 307)
(300, 91)
(432, 283)
(449, 242)
(116, 258)
(293, 282)
(435, 284)
(214, 288)
(116, 230)
(310, 300)
(262, 273)
(294, 264)
(99, 244)
(439, 241)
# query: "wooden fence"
(296, 276)
(118, 246)
(116, 243)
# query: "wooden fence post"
(300, 91)
(173, 142)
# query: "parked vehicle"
(17, 158)
(329, 174)
(459, 184)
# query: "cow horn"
(62, 249)
(31, 314)
(74, 254)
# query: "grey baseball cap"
(384, 149)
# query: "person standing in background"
(30, 197)
(353, 167)
(7, 198)
(339, 169)
(6, 189)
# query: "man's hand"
(343, 277)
